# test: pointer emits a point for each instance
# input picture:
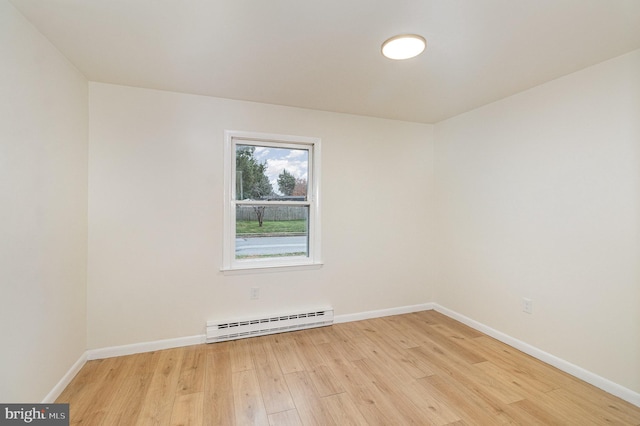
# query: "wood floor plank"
(440, 319)
(276, 395)
(84, 403)
(520, 369)
(471, 407)
(375, 345)
(218, 397)
(324, 381)
(541, 412)
(158, 402)
(405, 361)
(474, 379)
(349, 329)
(274, 387)
(430, 401)
(247, 399)
(260, 352)
(588, 411)
(240, 353)
(307, 400)
(365, 372)
(306, 348)
(520, 388)
(145, 364)
(188, 410)
(485, 392)
(343, 410)
(129, 400)
(373, 405)
(432, 335)
(345, 344)
(191, 378)
(84, 390)
(423, 318)
(116, 373)
(395, 335)
(319, 335)
(523, 365)
(287, 353)
(329, 353)
(88, 374)
(285, 418)
(383, 382)
(592, 399)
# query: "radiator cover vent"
(220, 331)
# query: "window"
(272, 211)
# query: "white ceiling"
(325, 54)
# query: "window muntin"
(272, 212)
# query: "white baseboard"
(137, 348)
(579, 372)
(382, 313)
(576, 371)
(66, 379)
(157, 345)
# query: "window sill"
(260, 269)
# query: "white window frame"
(313, 260)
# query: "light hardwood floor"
(422, 368)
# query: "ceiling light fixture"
(404, 46)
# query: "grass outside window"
(271, 227)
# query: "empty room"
(274, 212)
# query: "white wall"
(43, 211)
(538, 196)
(156, 208)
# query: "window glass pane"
(267, 173)
(271, 231)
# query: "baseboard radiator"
(220, 331)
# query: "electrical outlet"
(255, 293)
(527, 305)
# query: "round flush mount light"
(404, 46)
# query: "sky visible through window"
(295, 161)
